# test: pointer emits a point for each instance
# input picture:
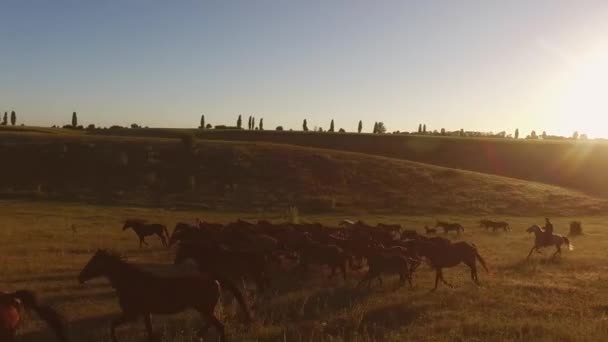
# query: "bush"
(91, 127)
(279, 128)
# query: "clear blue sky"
(482, 65)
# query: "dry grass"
(564, 300)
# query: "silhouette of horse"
(10, 316)
(447, 227)
(541, 241)
(183, 231)
(383, 260)
(143, 230)
(225, 265)
(141, 293)
(316, 253)
(430, 230)
(446, 255)
(495, 225)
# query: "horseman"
(548, 231)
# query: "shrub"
(279, 128)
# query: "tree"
(360, 128)
(419, 128)
(375, 130)
(279, 128)
(462, 132)
(575, 135)
(424, 129)
(253, 122)
(5, 119)
(208, 126)
(331, 126)
(202, 122)
(239, 122)
(443, 131)
(533, 135)
(74, 120)
(305, 125)
(544, 135)
(13, 118)
(341, 130)
(261, 124)
(517, 133)
(381, 129)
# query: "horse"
(541, 241)
(10, 315)
(182, 231)
(383, 260)
(446, 255)
(141, 293)
(315, 253)
(495, 225)
(143, 230)
(430, 230)
(225, 265)
(447, 227)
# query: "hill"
(572, 164)
(259, 177)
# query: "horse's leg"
(118, 322)
(162, 239)
(148, 322)
(443, 280)
(210, 317)
(558, 251)
(531, 250)
(437, 271)
(473, 266)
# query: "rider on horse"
(548, 231)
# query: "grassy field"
(45, 245)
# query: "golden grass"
(539, 300)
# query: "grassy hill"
(576, 165)
(258, 177)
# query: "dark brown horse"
(383, 260)
(143, 229)
(446, 255)
(495, 225)
(141, 293)
(10, 315)
(448, 227)
(316, 253)
(226, 266)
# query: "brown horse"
(141, 294)
(143, 230)
(226, 266)
(441, 255)
(541, 240)
(383, 260)
(10, 315)
(447, 227)
(315, 253)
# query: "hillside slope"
(260, 176)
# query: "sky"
(478, 65)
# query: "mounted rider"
(548, 231)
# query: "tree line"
(378, 128)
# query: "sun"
(583, 104)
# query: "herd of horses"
(245, 252)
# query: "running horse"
(541, 241)
(143, 229)
(141, 293)
(10, 315)
(447, 227)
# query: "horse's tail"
(481, 261)
(228, 284)
(570, 245)
(54, 320)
